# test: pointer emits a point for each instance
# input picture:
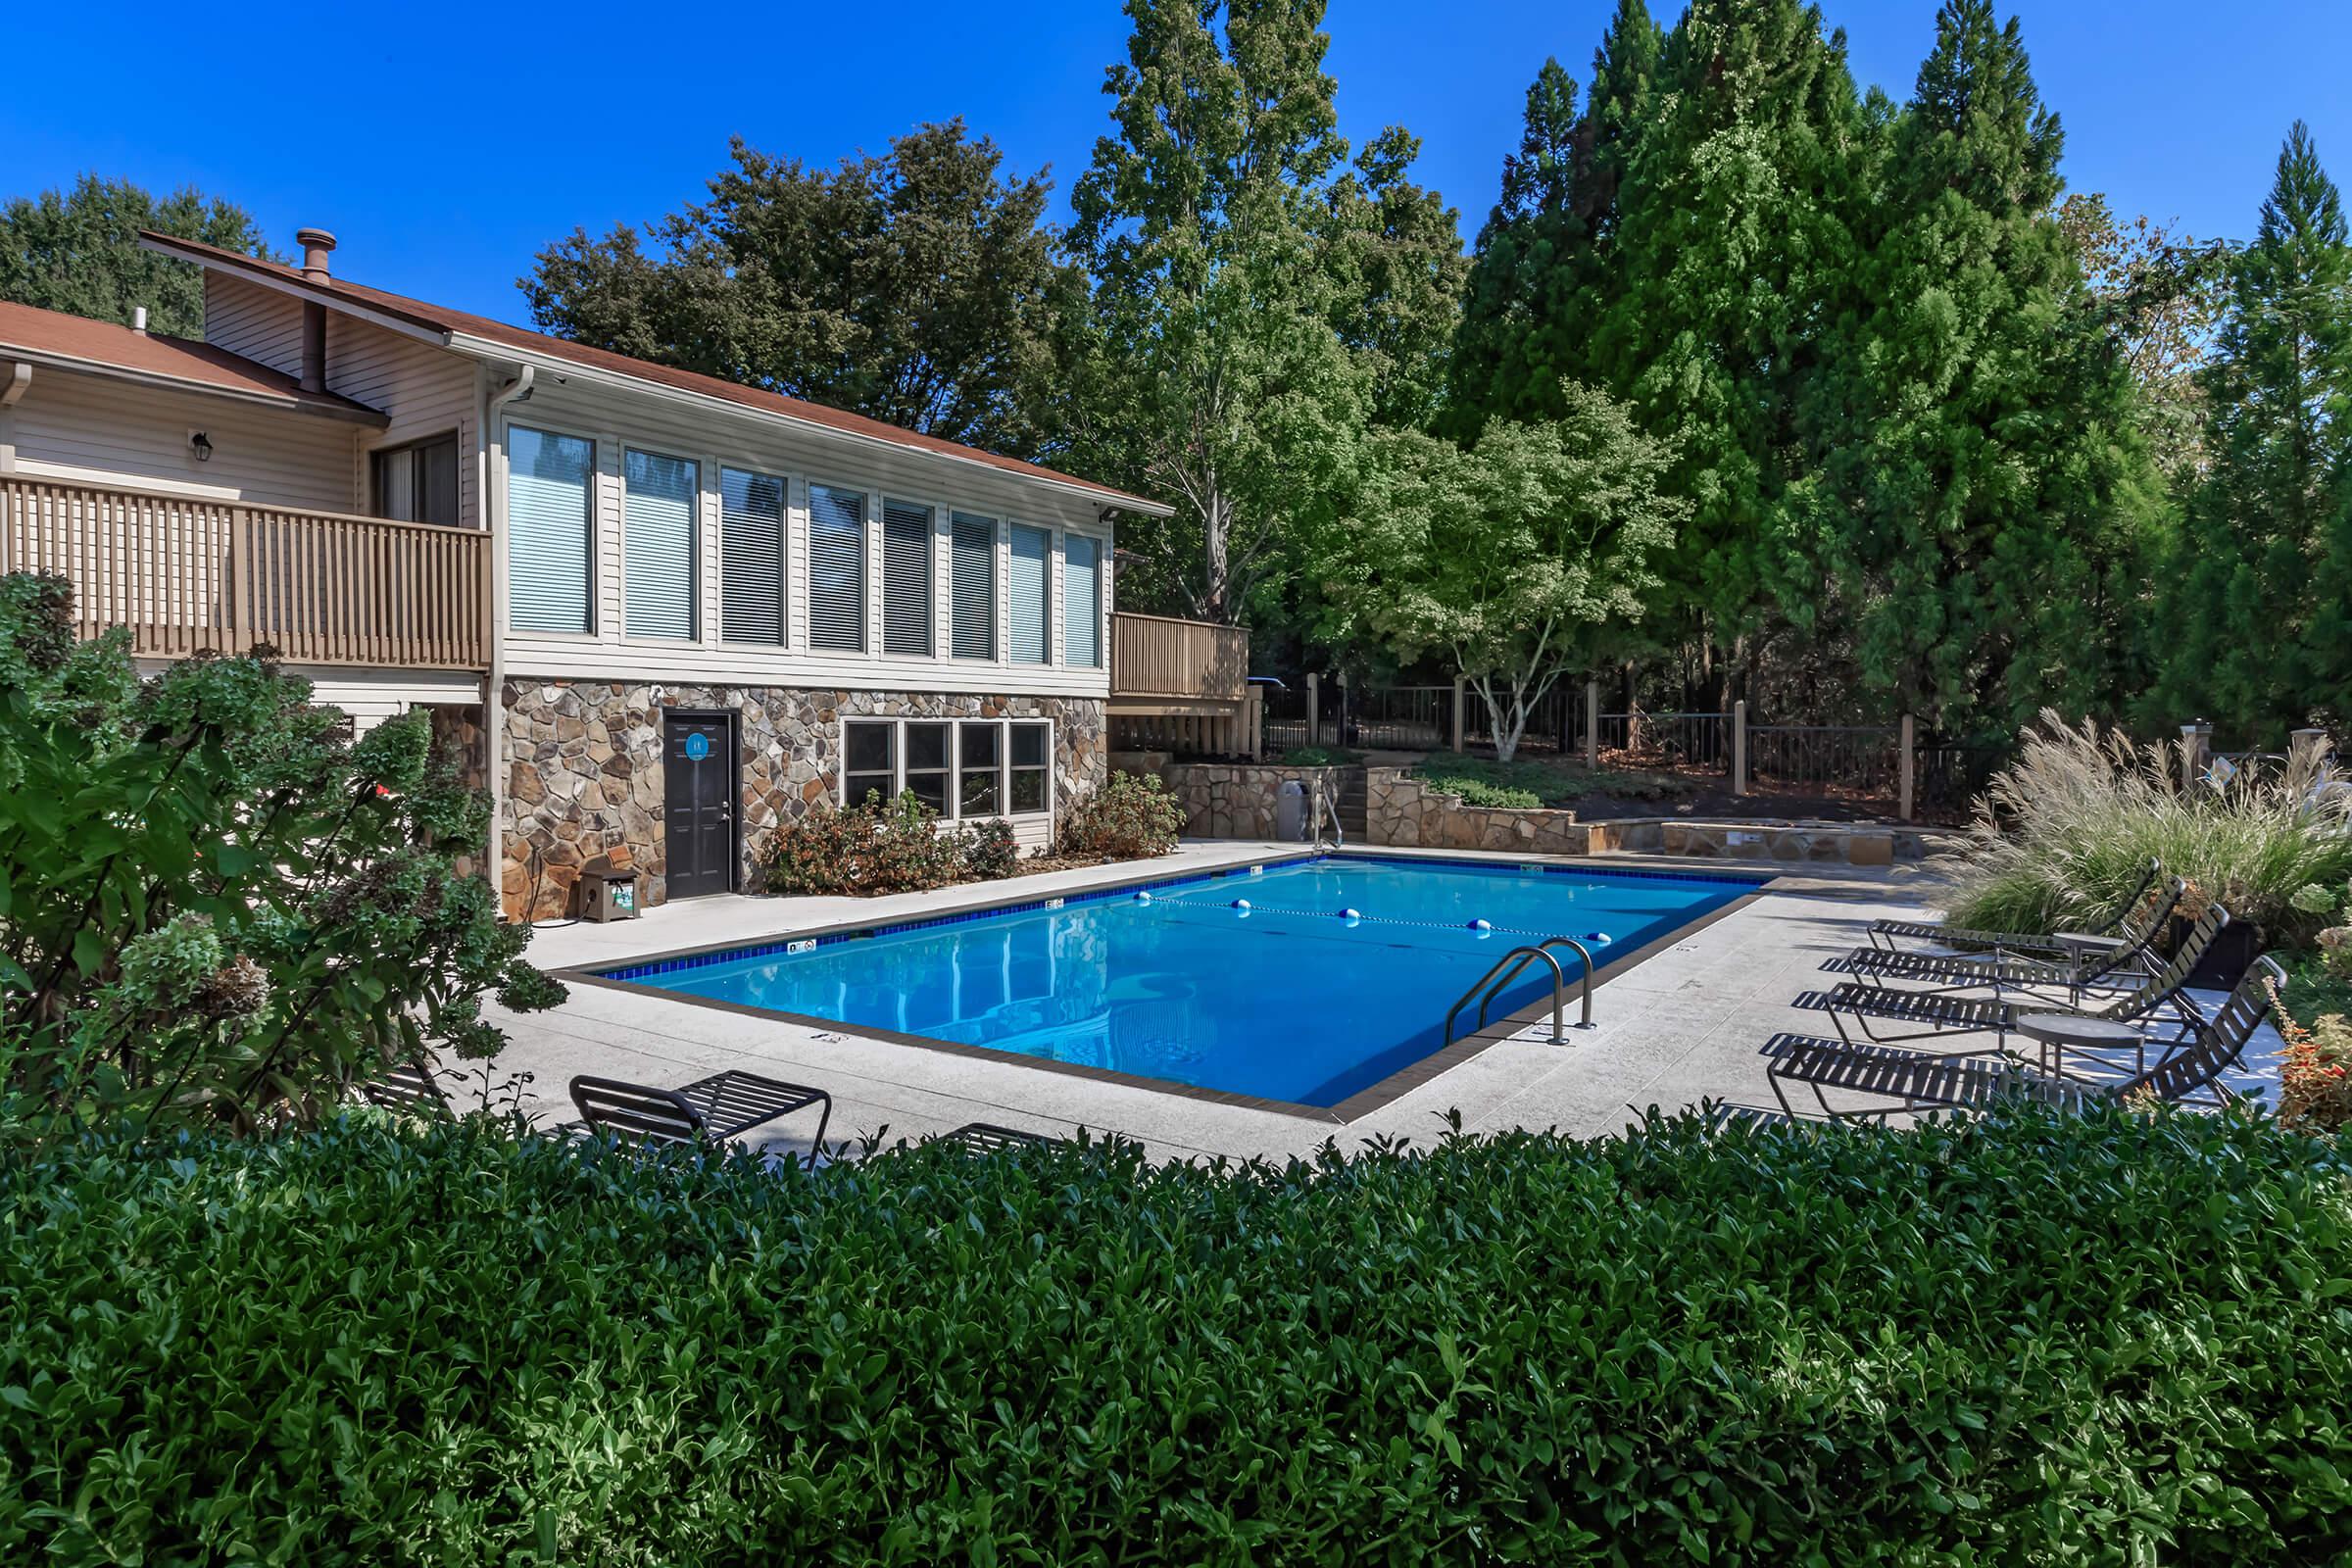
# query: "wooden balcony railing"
(193, 576)
(1157, 657)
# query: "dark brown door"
(699, 780)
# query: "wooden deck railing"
(193, 576)
(1153, 656)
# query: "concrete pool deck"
(1685, 1025)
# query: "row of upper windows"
(550, 530)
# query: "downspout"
(494, 513)
(12, 393)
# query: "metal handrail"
(1519, 959)
(1582, 952)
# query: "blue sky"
(452, 142)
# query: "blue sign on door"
(698, 746)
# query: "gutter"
(12, 393)
(489, 408)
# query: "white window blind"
(1082, 601)
(551, 486)
(750, 557)
(905, 579)
(1027, 595)
(972, 587)
(658, 543)
(836, 567)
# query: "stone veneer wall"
(584, 774)
(1225, 800)
(1401, 809)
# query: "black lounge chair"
(1945, 1013)
(1886, 933)
(1928, 1082)
(2117, 962)
(709, 1110)
(986, 1137)
(408, 1087)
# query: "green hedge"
(2033, 1339)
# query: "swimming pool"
(1303, 982)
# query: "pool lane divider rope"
(1481, 927)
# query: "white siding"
(100, 431)
(615, 419)
(424, 390)
(258, 322)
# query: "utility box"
(607, 892)
(1290, 813)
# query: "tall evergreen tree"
(2256, 644)
(1975, 471)
(78, 251)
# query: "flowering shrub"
(1128, 818)
(2315, 1079)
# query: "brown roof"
(449, 323)
(28, 331)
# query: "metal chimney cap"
(316, 245)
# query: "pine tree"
(1978, 477)
(2257, 626)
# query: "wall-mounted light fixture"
(201, 445)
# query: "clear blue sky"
(452, 142)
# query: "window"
(870, 761)
(1082, 601)
(905, 579)
(551, 482)
(657, 544)
(972, 587)
(926, 747)
(1032, 551)
(1032, 750)
(836, 567)
(979, 766)
(416, 483)
(750, 557)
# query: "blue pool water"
(1288, 1000)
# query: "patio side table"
(2058, 1032)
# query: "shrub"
(1522, 784)
(989, 849)
(1320, 756)
(217, 908)
(1129, 817)
(871, 848)
(2030, 1339)
(2067, 829)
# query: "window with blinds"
(1082, 601)
(972, 587)
(750, 557)
(551, 493)
(836, 567)
(905, 579)
(657, 544)
(1028, 596)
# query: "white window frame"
(598, 446)
(869, 568)
(698, 624)
(897, 726)
(720, 466)
(1059, 630)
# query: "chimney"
(316, 245)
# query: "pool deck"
(1683, 1025)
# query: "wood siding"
(190, 575)
(716, 439)
(1155, 655)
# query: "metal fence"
(1826, 759)
(1951, 775)
(1673, 740)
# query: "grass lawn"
(1526, 782)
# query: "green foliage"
(78, 251)
(2026, 1338)
(879, 846)
(1510, 559)
(1522, 783)
(989, 850)
(1130, 817)
(1258, 299)
(916, 287)
(1320, 756)
(2064, 833)
(213, 908)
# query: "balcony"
(189, 576)
(1181, 686)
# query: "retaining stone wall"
(584, 776)
(1227, 800)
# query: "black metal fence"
(1826, 759)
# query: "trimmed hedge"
(2027, 1340)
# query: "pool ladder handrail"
(1506, 969)
(1327, 809)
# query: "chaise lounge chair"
(408, 1087)
(1945, 1013)
(1928, 1082)
(709, 1110)
(1886, 934)
(2117, 962)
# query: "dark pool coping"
(1361, 1103)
